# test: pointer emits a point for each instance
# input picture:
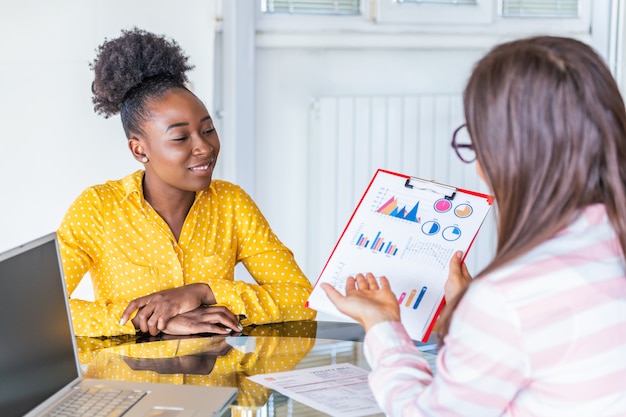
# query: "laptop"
(39, 367)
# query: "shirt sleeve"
(281, 289)
(479, 370)
(80, 235)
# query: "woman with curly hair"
(161, 244)
(542, 330)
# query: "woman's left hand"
(458, 278)
(366, 301)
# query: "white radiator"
(351, 137)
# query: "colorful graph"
(431, 227)
(442, 205)
(463, 210)
(363, 241)
(411, 296)
(378, 244)
(451, 233)
(391, 208)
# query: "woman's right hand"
(204, 319)
(365, 301)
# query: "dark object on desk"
(190, 364)
(194, 364)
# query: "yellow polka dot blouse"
(129, 251)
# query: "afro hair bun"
(125, 62)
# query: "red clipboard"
(407, 229)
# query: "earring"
(144, 159)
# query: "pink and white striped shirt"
(542, 336)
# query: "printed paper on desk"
(406, 229)
(339, 390)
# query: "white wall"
(288, 79)
(297, 62)
(52, 145)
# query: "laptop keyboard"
(97, 402)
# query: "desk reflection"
(227, 361)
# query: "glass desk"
(227, 361)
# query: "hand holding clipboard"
(406, 229)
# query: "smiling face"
(180, 143)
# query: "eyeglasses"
(462, 144)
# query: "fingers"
(458, 278)
(332, 293)
(384, 283)
(223, 316)
(205, 319)
(456, 262)
(367, 300)
(145, 310)
(371, 281)
(364, 282)
(344, 304)
(142, 320)
(460, 267)
(153, 317)
(465, 272)
(354, 284)
(131, 308)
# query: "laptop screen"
(36, 353)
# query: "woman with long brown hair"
(541, 330)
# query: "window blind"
(329, 7)
(448, 2)
(540, 8)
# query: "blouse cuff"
(383, 336)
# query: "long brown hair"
(549, 128)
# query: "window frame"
(390, 11)
(389, 16)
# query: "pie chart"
(442, 205)
(451, 233)
(431, 228)
(463, 210)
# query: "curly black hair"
(132, 69)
